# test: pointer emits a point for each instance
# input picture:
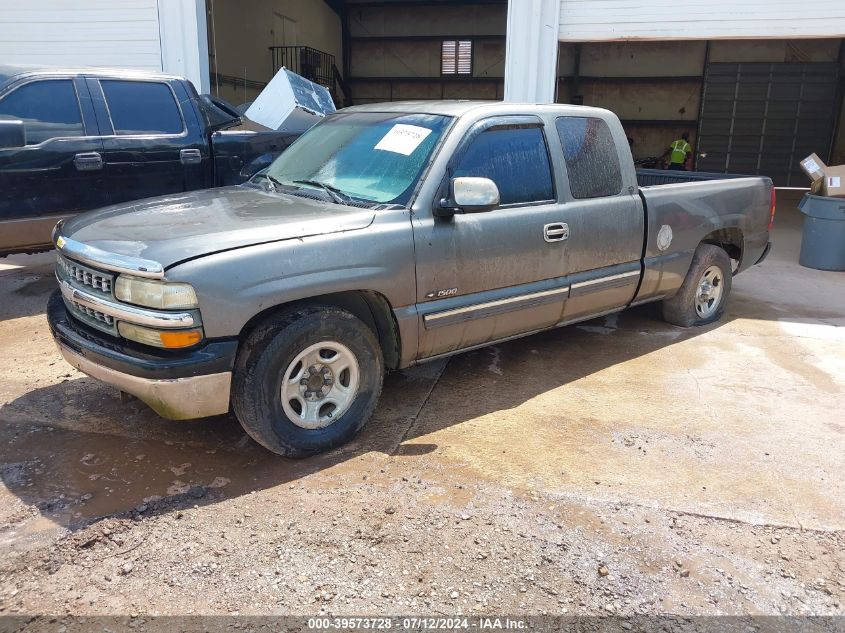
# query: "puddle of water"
(71, 475)
(37, 285)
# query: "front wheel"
(307, 380)
(703, 296)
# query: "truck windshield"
(369, 156)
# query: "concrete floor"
(740, 424)
(744, 419)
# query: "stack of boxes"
(827, 181)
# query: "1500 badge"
(439, 294)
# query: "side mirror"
(12, 134)
(474, 195)
(258, 165)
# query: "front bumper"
(177, 385)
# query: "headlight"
(154, 294)
(170, 339)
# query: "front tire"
(307, 380)
(703, 296)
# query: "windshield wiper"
(336, 194)
(275, 181)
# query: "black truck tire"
(307, 380)
(703, 296)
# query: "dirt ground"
(623, 466)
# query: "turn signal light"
(184, 338)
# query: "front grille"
(92, 281)
(94, 314)
(85, 276)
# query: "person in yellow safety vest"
(679, 151)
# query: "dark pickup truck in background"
(78, 139)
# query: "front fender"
(236, 285)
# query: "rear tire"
(307, 380)
(703, 296)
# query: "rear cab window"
(49, 109)
(142, 107)
(592, 161)
(516, 158)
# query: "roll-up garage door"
(763, 118)
(118, 34)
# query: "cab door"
(153, 143)
(604, 216)
(491, 275)
(58, 172)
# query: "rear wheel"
(703, 296)
(307, 380)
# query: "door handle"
(190, 157)
(556, 232)
(88, 161)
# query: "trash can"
(823, 238)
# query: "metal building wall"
(394, 49)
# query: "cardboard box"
(291, 103)
(827, 181)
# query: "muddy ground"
(623, 466)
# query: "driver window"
(516, 159)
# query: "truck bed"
(688, 211)
(655, 177)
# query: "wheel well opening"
(729, 240)
(371, 307)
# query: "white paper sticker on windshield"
(834, 181)
(403, 139)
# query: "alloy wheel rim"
(320, 385)
(709, 293)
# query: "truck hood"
(170, 229)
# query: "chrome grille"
(84, 276)
(92, 281)
(94, 314)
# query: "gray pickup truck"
(387, 235)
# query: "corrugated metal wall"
(395, 51)
(123, 34)
(759, 118)
(603, 20)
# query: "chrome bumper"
(175, 399)
(125, 312)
